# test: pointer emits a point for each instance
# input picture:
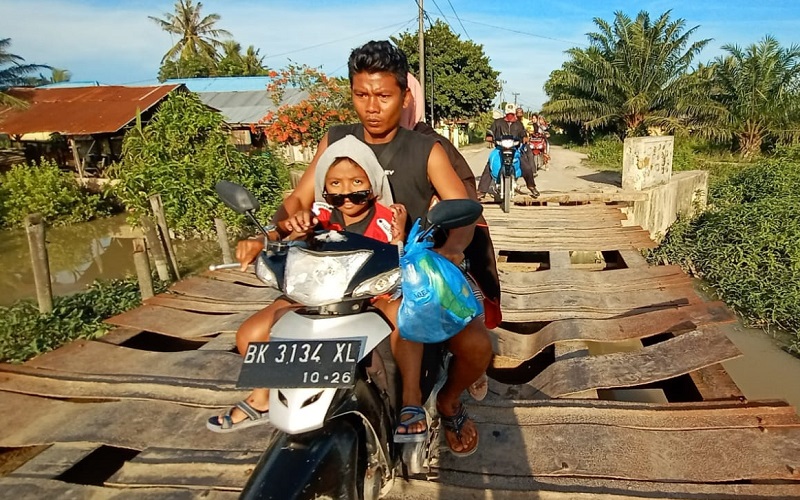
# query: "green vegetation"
(633, 77)
(637, 78)
(181, 154)
(13, 72)
(465, 83)
(199, 51)
(747, 244)
(45, 189)
(25, 333)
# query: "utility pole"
(515, 94)
(421, 75)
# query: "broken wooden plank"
(178, 323)
(671, 358)
(713, 382)
(163, 467)
(634, 259)
(126, 424)
(223, 291)
(525, 346)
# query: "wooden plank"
(591, 305)
(55, 460)
(85, 369)
(119, 335)
(671, 358)
(178, 323)
(713, 382)
(634, 259)
(222, 342)
(223, 291)
(525, 346)
(699, 455)
(588, 245)
(159, 467)
(484, 486)
(558, 260)
(235, 276)
(17, 487)
(202, 305)
(565, 281)
(127, 424)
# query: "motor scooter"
(335, 390)
(505, 168)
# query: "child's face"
(345, 177)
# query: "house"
(89, 122)
(242, 100)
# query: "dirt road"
(566, 172)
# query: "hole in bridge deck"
(526, 371)
(604, 260)
(524, 261)
(98, 466)
(156, 342)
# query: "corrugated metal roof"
(224, 83)
(247, 107)
(79, 111)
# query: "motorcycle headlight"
(378, 285)
(316, 279)
(263, 271)
(507, 143)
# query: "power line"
(393, 32)
(338, 40)
(527, 33)
(459, 20)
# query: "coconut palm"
(198, 37)
(760, 87)
(634, 77)
(13, 72)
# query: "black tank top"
(407, 168)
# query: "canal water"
(82, 253)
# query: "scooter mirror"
(450, 214)
(236, 197)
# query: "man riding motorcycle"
(508, 125)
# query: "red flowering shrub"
(328, 103)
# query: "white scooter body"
(289, 409)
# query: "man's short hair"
(379, 57)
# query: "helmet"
(510, 109)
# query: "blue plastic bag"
(437, 299)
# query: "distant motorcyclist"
(508, 125)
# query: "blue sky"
(112, 41)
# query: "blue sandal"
(418, 414)
(225, 422)
(455, 424)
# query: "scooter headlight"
(317, 279)
(507, 143)
(378, 285)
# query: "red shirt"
(376, 225)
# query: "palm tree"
(634, 77)
(198, 37)
(60, 75)
(760, 87)
(253, 63)
(13, 72)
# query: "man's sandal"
(455, 424)
(225, 423)
(418, 414)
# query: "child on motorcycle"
(352, 182)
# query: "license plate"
(294, 364)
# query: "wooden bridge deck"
(607, 384)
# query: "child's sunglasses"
(356, 197)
